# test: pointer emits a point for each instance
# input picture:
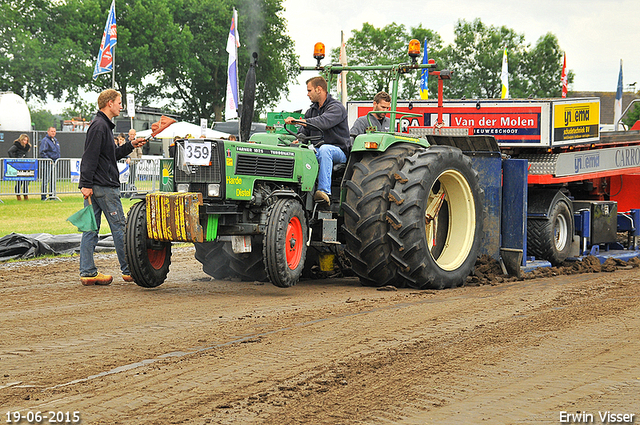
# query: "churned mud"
(328, 351)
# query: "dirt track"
(197, 351)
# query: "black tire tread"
(410, 252)
(135, 244)
(220, 262)
(540, 237)
(365, 207)
(275, 261)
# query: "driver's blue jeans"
(104, 199)
(327, 156)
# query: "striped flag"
(563, 77)
(505, 75)
(104, 64)
(617, 106)
(342, 77)
(424, 78)
(233, 42)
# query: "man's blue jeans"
(327, 156)
(104, 199)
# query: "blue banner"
(20, 169)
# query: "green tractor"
(404, 212)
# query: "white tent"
(183, 128)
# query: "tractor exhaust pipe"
(248, 100)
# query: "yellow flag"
(505, 75)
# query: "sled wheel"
(365, 207)
(436, 219)
(220, 262)
(148, 260)
(285, 243)
(551, 239)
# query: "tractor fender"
(541, 201)
(286, 194)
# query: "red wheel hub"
(156, 257)
(293, 243)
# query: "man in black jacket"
(99, 181)
(330, 116)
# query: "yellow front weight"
(174, 217)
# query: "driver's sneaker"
(98, 279)
(320, 196)
(127, 278)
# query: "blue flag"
(104, 64)
(617, 105)
(424, 79)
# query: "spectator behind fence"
(137, 152)
(19, 149)
(99, 181)
(49, 148)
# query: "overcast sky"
(595, 34)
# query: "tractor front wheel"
(148, 260)
(285, 243)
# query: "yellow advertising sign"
(576, 121)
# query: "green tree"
(167, 49)
(541, 70)
(632, 116)
(42, 119)
(384, 46)
(476, 59)
(25, 62)
(200, 81)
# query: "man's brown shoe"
(127, 278)
(320, 196)
(98, 279)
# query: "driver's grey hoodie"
(332, 119)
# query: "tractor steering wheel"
(303, 137)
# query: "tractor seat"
(338, 171)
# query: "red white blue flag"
(104, 64)
(233, 42)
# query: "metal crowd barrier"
(46, 179)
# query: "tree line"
(475, 57)
(168, 50)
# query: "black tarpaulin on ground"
(18, 246)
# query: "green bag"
(85, 219)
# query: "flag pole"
(113, 56)
(113, 67)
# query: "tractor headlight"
(183, 187)
(213, 189)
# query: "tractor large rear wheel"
(365, 219)
(220, 262)
(148, 260)
(436, 219)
